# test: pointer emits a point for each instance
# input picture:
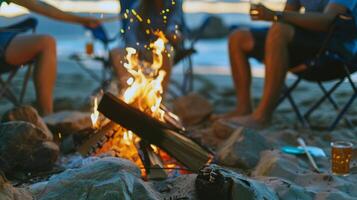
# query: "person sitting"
(17, 49)
(292, 38)
(157, 16)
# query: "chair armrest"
(23, 26)
(332, 29)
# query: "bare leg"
(23, 49)
(118, 59)
(276, 62)
(240, 43)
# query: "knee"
(241, 40)
(117, 53)
(280, 33)
(117, 56)
(47, 43)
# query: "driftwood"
(161, 134)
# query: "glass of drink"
(253, 8)
(341, 155)
(89, 48)
(89, 43)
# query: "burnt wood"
(180, 147)
(94, 142)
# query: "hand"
(90, 22)
(260, 12)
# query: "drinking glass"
(253, 11)
(341, 154)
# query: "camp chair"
(338, 49)
(106, 74)
(6, 90)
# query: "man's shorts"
(5, 39)
(303, 48)
(304, 45)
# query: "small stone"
(192, 109)
(242, 149)
(23, 146)
(8, 192)
(222, 129)
(68, 122)
(277, 164)
(27, 114)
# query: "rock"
(68, 122)
(8, 192)
(214, 182)
(23, 146)
(277, 164)
(242, 149)
(223, 129)
(106, 178)
(192, 109)
(27, 114)
(286, 189)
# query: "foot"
(250, 121)
(232, 114)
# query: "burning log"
(155, 132)
(99, 137)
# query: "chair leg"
(300, 117)
(343, 112)
(191, 78)
(350, 101)
(6, 91)
(92, 74)
(25, 83)
(323, 98)
(187, 82)
(334, 104)
(287, 94)
(287, 91)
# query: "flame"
(95, 115)
(145, 93)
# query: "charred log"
(163, 135)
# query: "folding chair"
(106, 74)
(338, 54)
(6, 91)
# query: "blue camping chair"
(6, 89)
(338, 55)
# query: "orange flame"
(95, 115)
(145, 93)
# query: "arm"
(312, 20)
(52, 12)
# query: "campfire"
(140, 128)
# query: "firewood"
(178, 146)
